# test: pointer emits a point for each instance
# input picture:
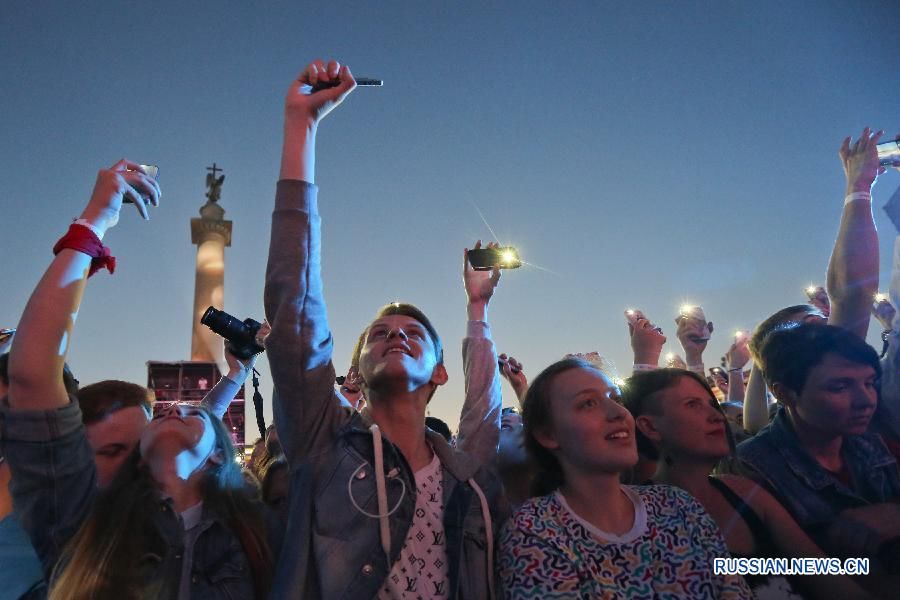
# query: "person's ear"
(784, 394)
(645, 425)
(546, 438)
(217, 457)
(439, 374)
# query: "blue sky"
(643, 153)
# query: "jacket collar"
(861, 453)
(460, 465)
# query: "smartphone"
(632, 315)
(5, 334)
(151, 171)
(888, 152)
(718, 371)
(485, 259)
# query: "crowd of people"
(587, 487)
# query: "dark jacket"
(812, 495)
(54, 484)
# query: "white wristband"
(91, 226)
(643, 367)
(857, 196)
(697, 368)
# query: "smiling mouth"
(397, 351)
(618, 435)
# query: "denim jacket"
(809, 492)
(54, 484)
(332, 546)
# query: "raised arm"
(647, 341)
(693, 333)
(853, 268)
(300, 345)
(45, 330)
(736, 358)
(756, 402)
(479, 421)
(512, 370)
(220, 396)
(52, 464)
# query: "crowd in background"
(586, 486)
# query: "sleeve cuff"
(292, 194)
(22, 425)
(478, 330)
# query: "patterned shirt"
(547, 551)
(421, 570)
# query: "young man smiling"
(379, 506)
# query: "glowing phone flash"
(881, 297)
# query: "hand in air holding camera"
(885, 312)
(306, 104)
(647, 340)
(511, 369)
(125, 181)
(693, 333)
(860, 161)
(738, 354)
(818, 297)
(240, 368)
(479, 285)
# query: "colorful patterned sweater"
(547, 551)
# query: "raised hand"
(479, 285)
(511, 369)
(125, 179)
(885, 312)
(647, 340)
(306, 104)
(738, 354)
(860, 161)
(693, 333)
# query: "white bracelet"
(697, 368)
(91, 226)
(643, 367)
(857, 196)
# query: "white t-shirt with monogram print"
(421, 570)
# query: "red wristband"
(84, 240)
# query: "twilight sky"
(643, 154)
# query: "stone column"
(211, 233)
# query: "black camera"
(241, 335)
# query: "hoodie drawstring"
(380, 486)
(489, 534)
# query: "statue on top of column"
(214, 184)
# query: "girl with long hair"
(177, 521)
(589, 535)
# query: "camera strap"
(84, 240)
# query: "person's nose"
(397, 332)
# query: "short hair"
(788, 354)
(106, 397)
(407, 310)
(68, 378)
(640, 395)
(435, 424)
(357, 350)
(773, 322)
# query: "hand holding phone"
(499, 257)
(151, 171)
